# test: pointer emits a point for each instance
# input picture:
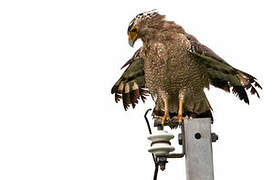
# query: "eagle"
(175, 68)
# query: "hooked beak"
(132, 37)
(131, 42)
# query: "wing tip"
(240, 92)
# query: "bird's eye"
(134, 30)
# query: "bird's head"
(138, 26)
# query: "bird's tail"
(197, 105)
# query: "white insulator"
(161, 143)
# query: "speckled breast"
(170, 67)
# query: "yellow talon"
(180, 118)
(163, 118)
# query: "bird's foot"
(180, 118)
(163, 118)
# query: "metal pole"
(198, 149)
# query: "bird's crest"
(142, 16)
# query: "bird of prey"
(174, 68)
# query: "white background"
(59, 60)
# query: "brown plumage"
(133, 78)
(174, 67)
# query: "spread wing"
(221, 74)
(131, 85)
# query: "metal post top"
(198, 149)
(174, 123)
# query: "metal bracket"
(196, 140)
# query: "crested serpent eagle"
(174, 68)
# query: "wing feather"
(221, 74)
(131, 85)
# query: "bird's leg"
(166, 113)
(180, 112)
(180, 116)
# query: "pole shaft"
(198, 149)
